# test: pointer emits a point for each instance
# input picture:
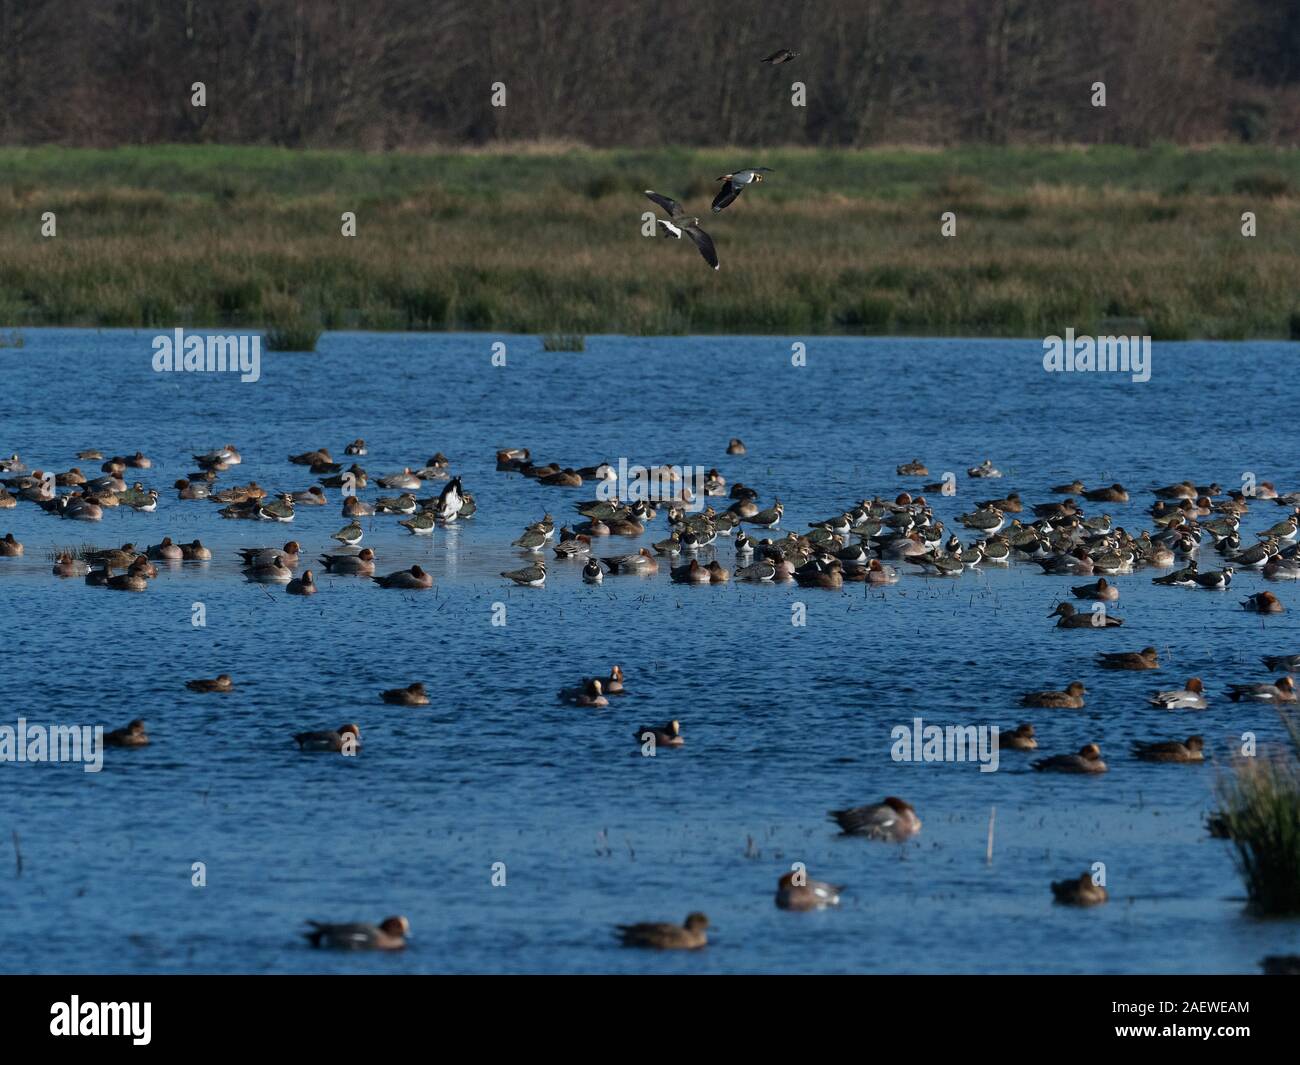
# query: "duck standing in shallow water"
(690, 935)
(892, 820)
(389, 934)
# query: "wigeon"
(362, 564)
(643, 562)
(689, 574)
(411, 695)
(1069, 618)
(1088, 760)
(690, 935)
(1021, 738)
(273, 572)
(796, 891)
(1282, 663)
(67, 566)
(1069, 699)
(1081, 892)
(1147, 658)
(1116, 493)
(1190, 750)
(10, 547)
(347, 737)
(195, 552)
(880, 574)
(133, 735)
(1264, 603)
(1281, 692)
(261, 556)
(221, 683)
(389, 934)
(1190, 697)
(1101, 590)
(892, 820)
(409, 579)
(304, 585)
(127, 582)
(165, 551)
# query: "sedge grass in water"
(1260, 813)
(835, 242)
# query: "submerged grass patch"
(836, 241)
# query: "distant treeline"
(376, 74)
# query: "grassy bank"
(549, 241)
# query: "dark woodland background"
(376, 74)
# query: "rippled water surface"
(782, 723)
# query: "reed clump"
(1259, 811)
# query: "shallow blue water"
(782, 723)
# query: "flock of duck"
(865, 542)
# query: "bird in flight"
(680, 222)
(781, 55)
(734, 184)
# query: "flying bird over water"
(680, 222)
(781, 55)
(734, 184)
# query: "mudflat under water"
(782, 723)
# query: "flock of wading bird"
(862, 543)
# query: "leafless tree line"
(408, 73)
